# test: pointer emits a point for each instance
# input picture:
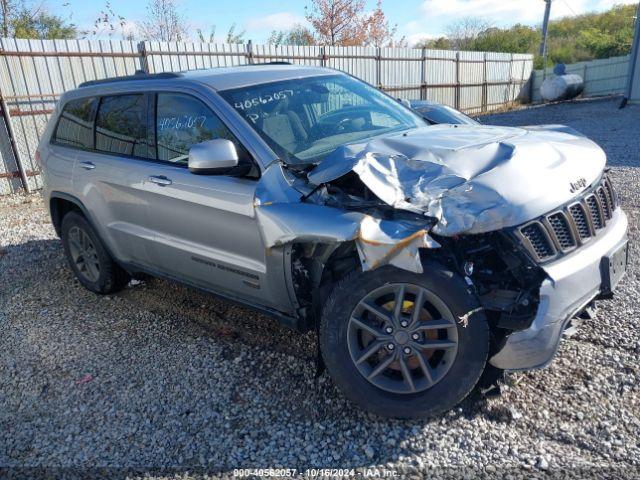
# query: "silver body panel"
(472, 179)
(572, 283)
(232, 235)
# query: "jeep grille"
(568, 228)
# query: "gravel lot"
(160, 376)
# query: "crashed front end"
(524, 215)
(582, 250)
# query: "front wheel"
(402, 344)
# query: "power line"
(569, 7)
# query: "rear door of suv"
(106, 176)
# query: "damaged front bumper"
(572, 283)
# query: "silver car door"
(107, 177)
(206, 230)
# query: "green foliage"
(298, 35)
(442, 43)
(517, 39)
(592, 36)
(571, 39)
(42, 25)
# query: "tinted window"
(437, 114)
(121, 125)
(183, 121)
(75, 126)
(445, 114)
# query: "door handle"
(87, 165)
(160, 180)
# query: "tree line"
(334, 22)
(571, 39)
(344, 23)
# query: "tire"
(458, 373)
(100, 274)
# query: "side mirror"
(212, 157)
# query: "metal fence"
(602, 77)
(34, 73)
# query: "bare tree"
(164, 22)
(7, 11)
(298, 35)
(463, 32)
(233, 37)
(109, 23)
(204, 39)
(379, 33)
(338, 22)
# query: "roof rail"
(142, 75)
(139, 75)
(274, 62)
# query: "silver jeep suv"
(422, 255)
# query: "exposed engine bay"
(494, 265)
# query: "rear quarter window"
(75, 125)
(121, 125)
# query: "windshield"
(303, 120)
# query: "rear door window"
(121, 125)
(75, 126)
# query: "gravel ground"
(160, 376)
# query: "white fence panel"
(471, 68)
(602, 77)
(499, 69)
(401, 72)
(33, 74)
(177, 56)
(298, 55)
(440, 74)
(360, 62)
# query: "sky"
(416, 19)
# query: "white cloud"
(275, 21)
(508, 12)
(418, 36)
(501, 11)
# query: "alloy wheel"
(84, 254)
(402, 338)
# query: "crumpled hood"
(471, 179)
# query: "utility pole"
(632, 87)
(543, 44)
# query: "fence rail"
(34, 73)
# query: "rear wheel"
(393, 341)
(87, 257)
